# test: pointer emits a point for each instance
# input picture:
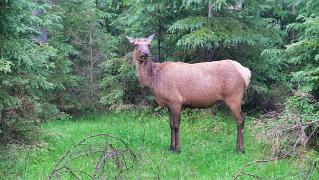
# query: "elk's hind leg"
(171, 123)
(235, 107)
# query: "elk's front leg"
(175, 111)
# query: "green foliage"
(304, 52)
(225, 28)
(296, 128)
(188, 24)
(185, 33)
(190, 115)
(293, 128)
(239, 35)
(86, 62)
(5, 66)
(207, 148)
(80, 53)
(199, 38)
(304, 104)
(266, 97)
(120, 76)
(15, 158)
(301, 53)
(25, 70)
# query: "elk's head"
(141, 47)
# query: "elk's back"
(200, 84)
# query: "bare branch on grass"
(113, 153)
(242, 172)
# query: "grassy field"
(207, 148)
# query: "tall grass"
(207, 145)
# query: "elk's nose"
(145, 53)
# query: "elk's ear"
(149, 39)
(131, 40)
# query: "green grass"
(207, 147)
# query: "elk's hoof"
(240, 151)
(175, 150)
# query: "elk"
(176, 85)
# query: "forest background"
(69, 58)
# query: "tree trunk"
(43, 37)
(238, 6)
(293, 9)
(159, 40)
(293, 12)
(59, 101)
(91, 51)
(1, 116)
(91, 57)
(97, 3)
(210, 12)
(54, 2)
(159, 29)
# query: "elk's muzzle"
(145, 55)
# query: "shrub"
(120, 85)
(291, 129)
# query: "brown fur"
(200, 85)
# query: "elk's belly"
(197, 98)
(202, 92)
(201, 100)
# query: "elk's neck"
(146, 72)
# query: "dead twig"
(112, 148)
(241, 172)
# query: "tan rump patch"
(245, 72)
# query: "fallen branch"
(106, 150)
(241, 172)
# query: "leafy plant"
(289, 131)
